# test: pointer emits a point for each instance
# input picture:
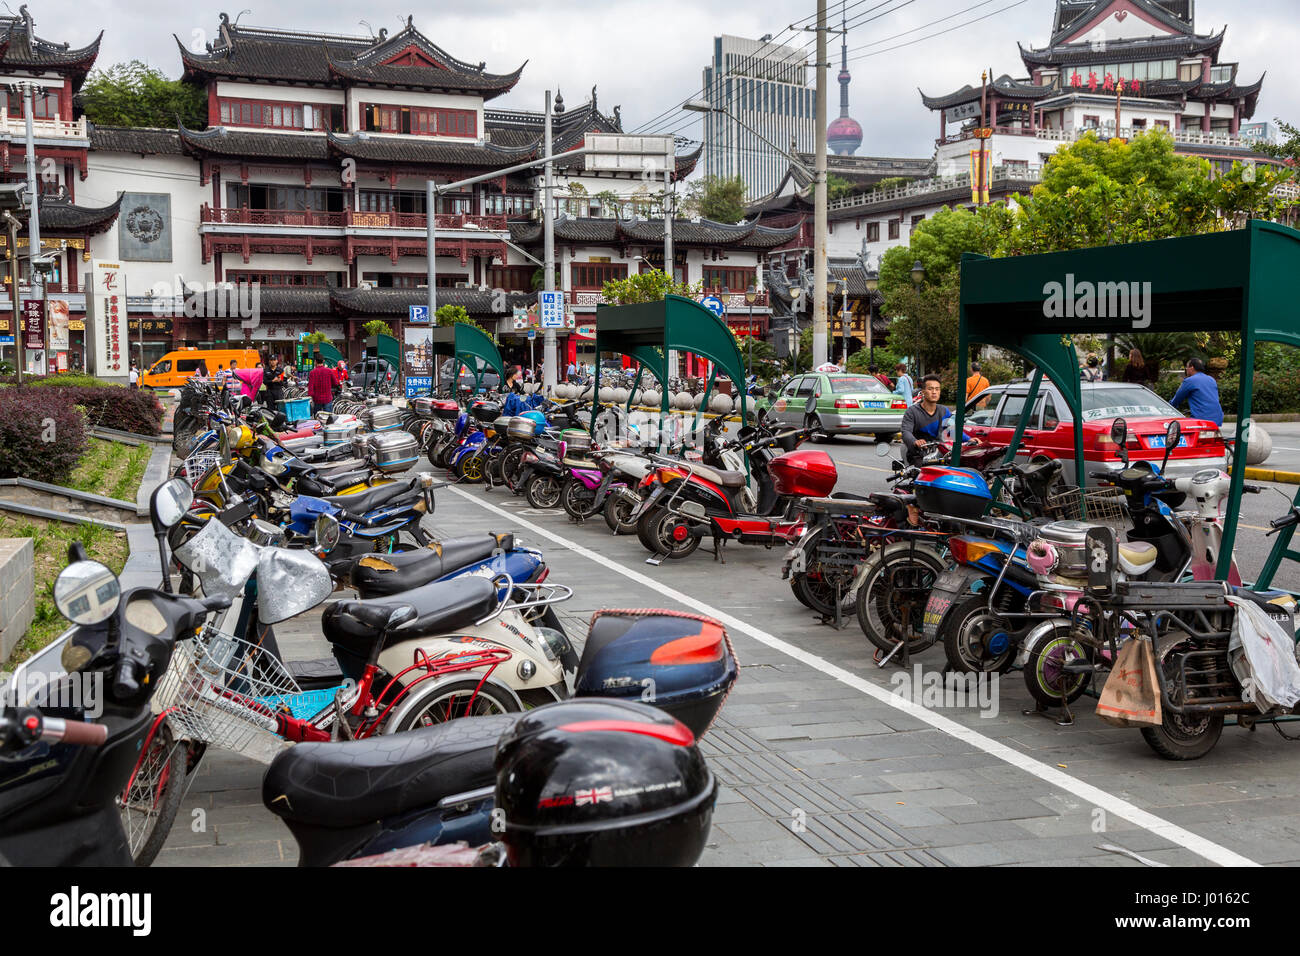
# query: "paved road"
(823, 760)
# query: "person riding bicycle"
(923, 423)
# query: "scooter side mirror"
(1173, 435)
(883, 449)
(1119, 435)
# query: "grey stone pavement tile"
(814, 772)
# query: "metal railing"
(347, 218)
(1001, 173)
(1183, 136)
(45, 128)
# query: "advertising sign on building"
(58, 319)
(106, 320)
(33, 323)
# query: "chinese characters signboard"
(33, 323)
(106, 316)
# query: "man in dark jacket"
(274, 382)
(923, 422)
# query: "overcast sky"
(649, 56)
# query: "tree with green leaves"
(1288, 149)
(453, 314)
(135, 94)
(719, 198)
(377, 327)
(837, 187)
(652, 286)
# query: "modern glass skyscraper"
(765, 86)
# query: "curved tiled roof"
(651, 232)
(253, 53)
(399, 301)
(1004, 86)
(1123, 51)
(1154, 10)
(311, 300)
(20, 47)
(227, 142)
(61, 215)
(423, 150)
(134, 139)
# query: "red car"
(1050, 430)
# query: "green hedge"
(135, 410)
(42, 435)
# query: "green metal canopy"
(1242, 279)
(467, 342)
(647, 331)
(385, 347)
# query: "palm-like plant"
(1161, 349)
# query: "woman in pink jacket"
(250, 380)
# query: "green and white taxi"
(847, 404)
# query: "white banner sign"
(106, 315)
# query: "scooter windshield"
(220, 559)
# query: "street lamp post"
(918, 275)
(750, 296)
(873, 283)
(844, 318)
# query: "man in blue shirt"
(1200, 392)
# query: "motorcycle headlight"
(327, 533)
(554, 644)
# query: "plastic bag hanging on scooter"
(1263, 658)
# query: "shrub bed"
(42, 435)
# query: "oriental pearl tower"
(844, 135)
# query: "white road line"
(1097, 797)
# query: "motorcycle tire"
(798, 591)
(663, 532)
(153, 795)
(1044, 679)
(577, 500)
(469, 468)
(810, 589)
(973, 643)
(898, 580)
(543, 491)
(452, 700)
(183, 435)
(512, 461)
(618, 508)
(1181, 736)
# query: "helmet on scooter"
(591, 782)
(538, 419)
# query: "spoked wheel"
(891, 600)
(578, 501)
(152, 796)
(1045, 677)
(814, 588)
(470, 468)
(664, 532)
(543, 491)
(977, 642)
(461, 698)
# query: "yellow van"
(175, 368)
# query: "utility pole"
(34, 223)
(548, 255)
(980, 198)
(819, 199)
(669, 212)
(21, 351)
(431, 272)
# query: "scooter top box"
(446, 409)
(523, 428)
(959, 492)
(485, 412)
(681, 663)
(803, 474)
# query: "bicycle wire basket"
(225, 691)
(198, 465)
(1094, 505)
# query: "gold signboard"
(76, 325)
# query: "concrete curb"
(87, 496)
(155, 473)
(49, 515)
(1268, 474)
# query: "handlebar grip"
(124, 682)
(1102, 475)
(78, 732)
(1279, 523)
(1252, 489)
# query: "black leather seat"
(369, 500)
(352, 783)
(727, 479)
(440, 607)
(320, 486)
(377, 575)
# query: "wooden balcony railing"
(347, 218)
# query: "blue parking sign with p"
(419, 314)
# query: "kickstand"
(1063, 717)
(717, 549)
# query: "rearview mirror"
(1119, 432)
(883, 449)
(169, 503)
(87, 592)
(1173, 435)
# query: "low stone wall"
(17, 591)
(68, 503)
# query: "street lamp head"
(701, 106)
(872, 283)
(918, 273)
(750, 294)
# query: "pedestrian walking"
(320, 387)
(904, 386)
(976, 383)
(135, 375)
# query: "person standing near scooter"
(923, 422)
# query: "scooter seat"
(328, 469)
(727, 479)
(348, 784)
(318, 486)
(1137, 557)
(372, 498)
(379, 575)
(440, 607)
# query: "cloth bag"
(1263, 657)
(1131, 697)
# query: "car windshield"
(1099, 403)
(856, 383)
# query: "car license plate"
(875, 404)
(1158, 441)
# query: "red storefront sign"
(34, 323)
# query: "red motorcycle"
(687, 501)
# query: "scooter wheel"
(152, 797)
(543, 491)
(976, 642)
(578, 501)
(1046, 682)
(663, 532)
(1182, 736)
(470, 468)
(892, 598)
(618, 510)
(460, 698)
